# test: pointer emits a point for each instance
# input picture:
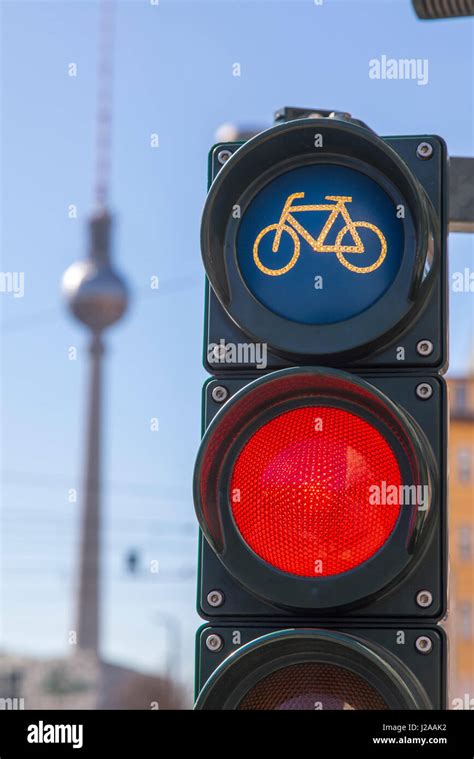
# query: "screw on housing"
(218, 353)
(424, 347)
(219, 393)
(215, 598)
(424, 645)
(223, 156)
(214, 642)
(424, 151)
(424, 391)
(424, 598)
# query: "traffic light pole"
(461, 195)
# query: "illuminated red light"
(302, 491)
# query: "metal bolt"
(223, 156)
(219, 393)
(219, 352)
(423, 644)
(424, 598)
(424, 151)
(214, 642)
(215, 598)
(424, 391)
(424, 347)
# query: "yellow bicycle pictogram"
(293, 228)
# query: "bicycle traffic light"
(325, 242)
(320, 488)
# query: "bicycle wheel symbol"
(348, 264)
(294, 257)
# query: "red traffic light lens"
(302, 491)
(312, 686)
(314, 489)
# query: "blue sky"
(173, 76)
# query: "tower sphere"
(95, 293)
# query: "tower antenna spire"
(104, 101)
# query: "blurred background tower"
(97, 296)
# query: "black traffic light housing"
(392, 351)
(234, 659)
(405, 327)
(399, 600)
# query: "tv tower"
(98, 297)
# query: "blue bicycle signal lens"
(321, 243)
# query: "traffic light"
(320, 483)
(315, 669)
(325, 243)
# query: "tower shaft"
(88, 628)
